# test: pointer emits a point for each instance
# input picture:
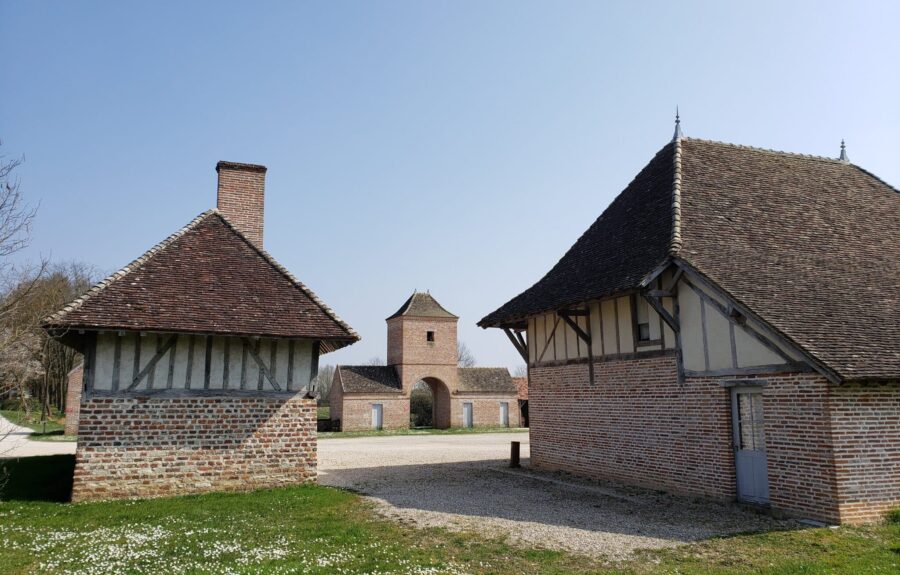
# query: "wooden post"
(514, 454)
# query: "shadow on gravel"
(489, 489)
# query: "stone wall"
(152, 447)
(73, 399)
(408, 343)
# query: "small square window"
(642, 309)
(429, 336)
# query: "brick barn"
(728, 327)
(422, 346)
(199, 357)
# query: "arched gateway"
(422, 346)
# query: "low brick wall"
(151, 447)
(356, 412)
(485, 410)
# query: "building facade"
(199, 358)
(422, 347)
(724, 329)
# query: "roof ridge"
(134, 265)
(771, 151)
(675, 243)
(290, 277)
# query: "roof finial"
(844, 158)
(678, 133)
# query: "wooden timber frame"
(566, 315)
(199, 345)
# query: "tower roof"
(421, 304)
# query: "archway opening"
(429, 404)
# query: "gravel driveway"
(461, 482)
(14, 442)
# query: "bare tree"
(375, 361)
(322, 384)
(520, 371)
(465, 355)
(16, 282)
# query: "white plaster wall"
(104, 362)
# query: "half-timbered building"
(199, 360)
(728, 327)
(422, 347)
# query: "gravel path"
(461, 482)
(14, 442)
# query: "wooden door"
(750, 461)
(377, 416)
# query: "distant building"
(198, 360)
(728, 327)
(422, 346)
(521, 384)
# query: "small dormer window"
(642, 319)
(429, 336)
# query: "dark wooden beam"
(665, 315)
(153, 361)
(577, 329)
(523, 351)
(254, 353)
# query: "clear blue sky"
(455, 146)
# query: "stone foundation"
(154, 447)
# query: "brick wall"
(73, 399)
(356, 413)
(485, 410)
(241, 197)
(635, 425)
(833, 451)
(865, 428)
(798, 445)
(150, 447)
(407, 342)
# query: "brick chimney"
(241, 197)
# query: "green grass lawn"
(420, 431)
(320, 530)
(323, 412)
(51, 431)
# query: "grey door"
(504, 414)
(749, 445)
(377, 416)
(467, 415)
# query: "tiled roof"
(368, 379)
(421, 304)
(479, 379)
(808, 244)
(207, 278)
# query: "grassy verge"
(320, 530)
(51, 431)
(420, 431)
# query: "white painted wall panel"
(104, 361)
(718, 338)
(750, 352)
(626, 330)
(608, 310)
(691, 328)
(596, 330)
